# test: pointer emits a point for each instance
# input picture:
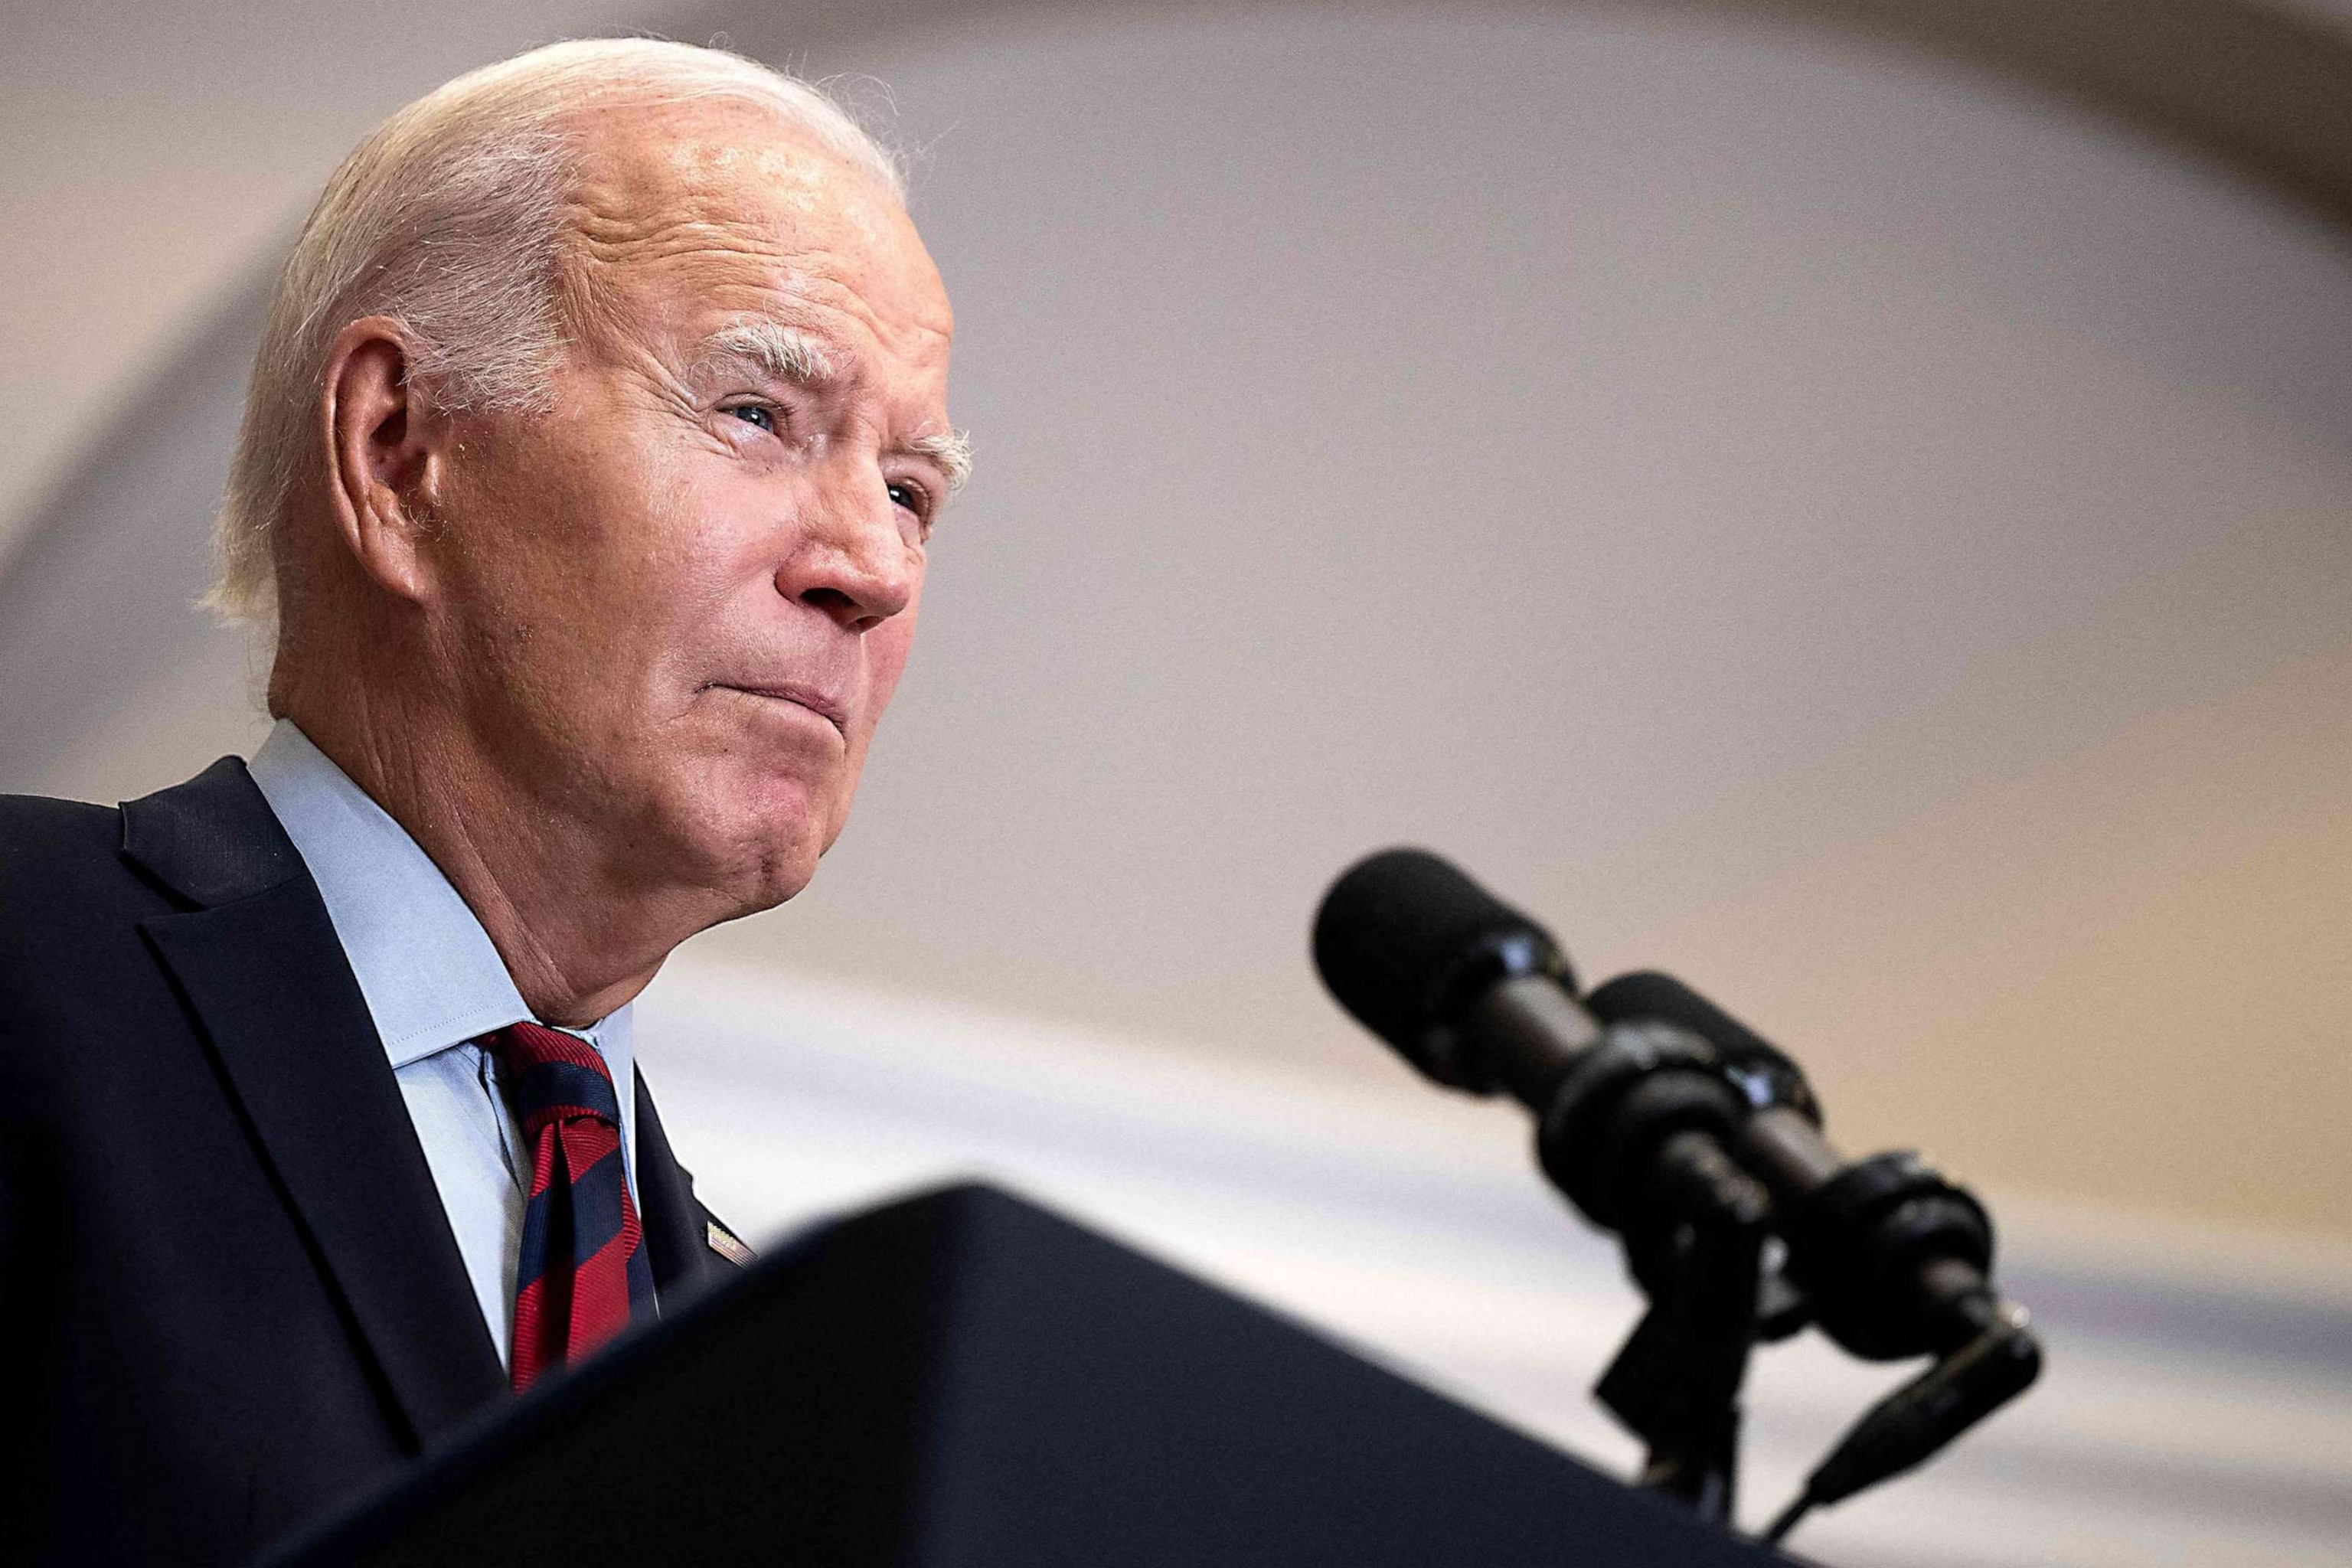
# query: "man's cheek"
(889, 648)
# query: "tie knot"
(553, 1077)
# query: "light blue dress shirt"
(433, 985)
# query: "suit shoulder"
(64, 882)
(40, 837)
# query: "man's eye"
(756, 414)
(914, 498)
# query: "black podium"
(964, 1379)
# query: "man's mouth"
(807, 697)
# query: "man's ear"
(387, 455)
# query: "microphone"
(1631, 1119)
(1631, 1122)
(1663, 1117)
(1893, 1258)
(1413, 949)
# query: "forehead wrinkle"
(823, 307)
(662, 241)
(770, 261)
(616, 238)
(736, 184)
(654, 195)
(610, 280)
(643, 209)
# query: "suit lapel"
(679, 1242)
(260, 965)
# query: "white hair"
(449, 219)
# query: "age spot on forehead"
(754, 163)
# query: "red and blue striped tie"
(583, 1273)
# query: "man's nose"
(852, 561)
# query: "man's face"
(674, 605)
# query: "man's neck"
(531, 875)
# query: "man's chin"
(767, 868)
(750, 846)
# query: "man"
(587, 469)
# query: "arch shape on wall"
(2254, 90)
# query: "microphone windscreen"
(1406, 943)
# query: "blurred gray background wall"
(1784, 502)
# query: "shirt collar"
(428, 970)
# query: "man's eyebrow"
(951, 452)
(784, 352)
(792, 355)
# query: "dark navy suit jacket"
(229, 1295)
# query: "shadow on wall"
(115, 677)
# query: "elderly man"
(587, 471)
